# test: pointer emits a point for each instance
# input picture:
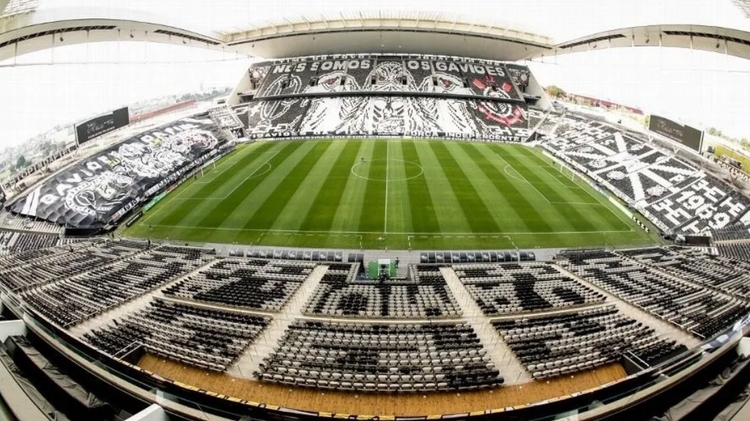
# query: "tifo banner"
(91, 129)
(683, 134)
(388, 74)
(104, 187)
(388, 116)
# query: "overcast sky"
(698, 88)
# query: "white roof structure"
(510, 30)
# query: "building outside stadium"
(387, 218)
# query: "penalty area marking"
(267, 165)
(524, 180)
(225, 166)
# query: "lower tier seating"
(87, 295)
(735, 251)
(699, 310)
(42, 266)
(426, 296)
(380, 357)
(17, 242)
(201, 337)
(550, 346)
(246, 283)
(522, 287)
(693, 264)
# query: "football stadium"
(388, 216)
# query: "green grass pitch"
(395, 194)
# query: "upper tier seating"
(84, 296)
(380, 357)
(522, 287)
(42, 266)
(197, 336)
(564, 343)
(427, 296)
(696, 309)
(246, 283)
(382, 74)
(720, 273)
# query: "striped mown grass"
(390, 193)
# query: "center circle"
(410, 169)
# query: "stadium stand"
(380, 73)
(564, 343)
(426, 296)
(736, 251)
(17, 223)
(730, 233)
(73, 300)
(380, 357)
(388, 116)
(521, 75)
(227, 121)
(114, 180)
(250, 284)
(17, 242)
(522, 287)
(390, 112)
(673, 194)
(691, 264)
(547, 127)
(691, 307)
(197, 336)
(42, 266)
(535, 117)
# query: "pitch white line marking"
(596, 197)
(254, 174)
(393, 233)
(508, 164)
(385, 222)
(354, 173)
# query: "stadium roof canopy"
(510, 30)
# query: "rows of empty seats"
(18, 242)
(42, 266)
(522, 287)
(19, 223)
(696, 309)
(692, 264)
(202, 337)
(87, 295)
(426, 296)
(247, 283)
(380, 357)
(735, 251)
(560, 344)
(734, 232)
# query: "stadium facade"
(95, 327)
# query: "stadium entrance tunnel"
(379, 170)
